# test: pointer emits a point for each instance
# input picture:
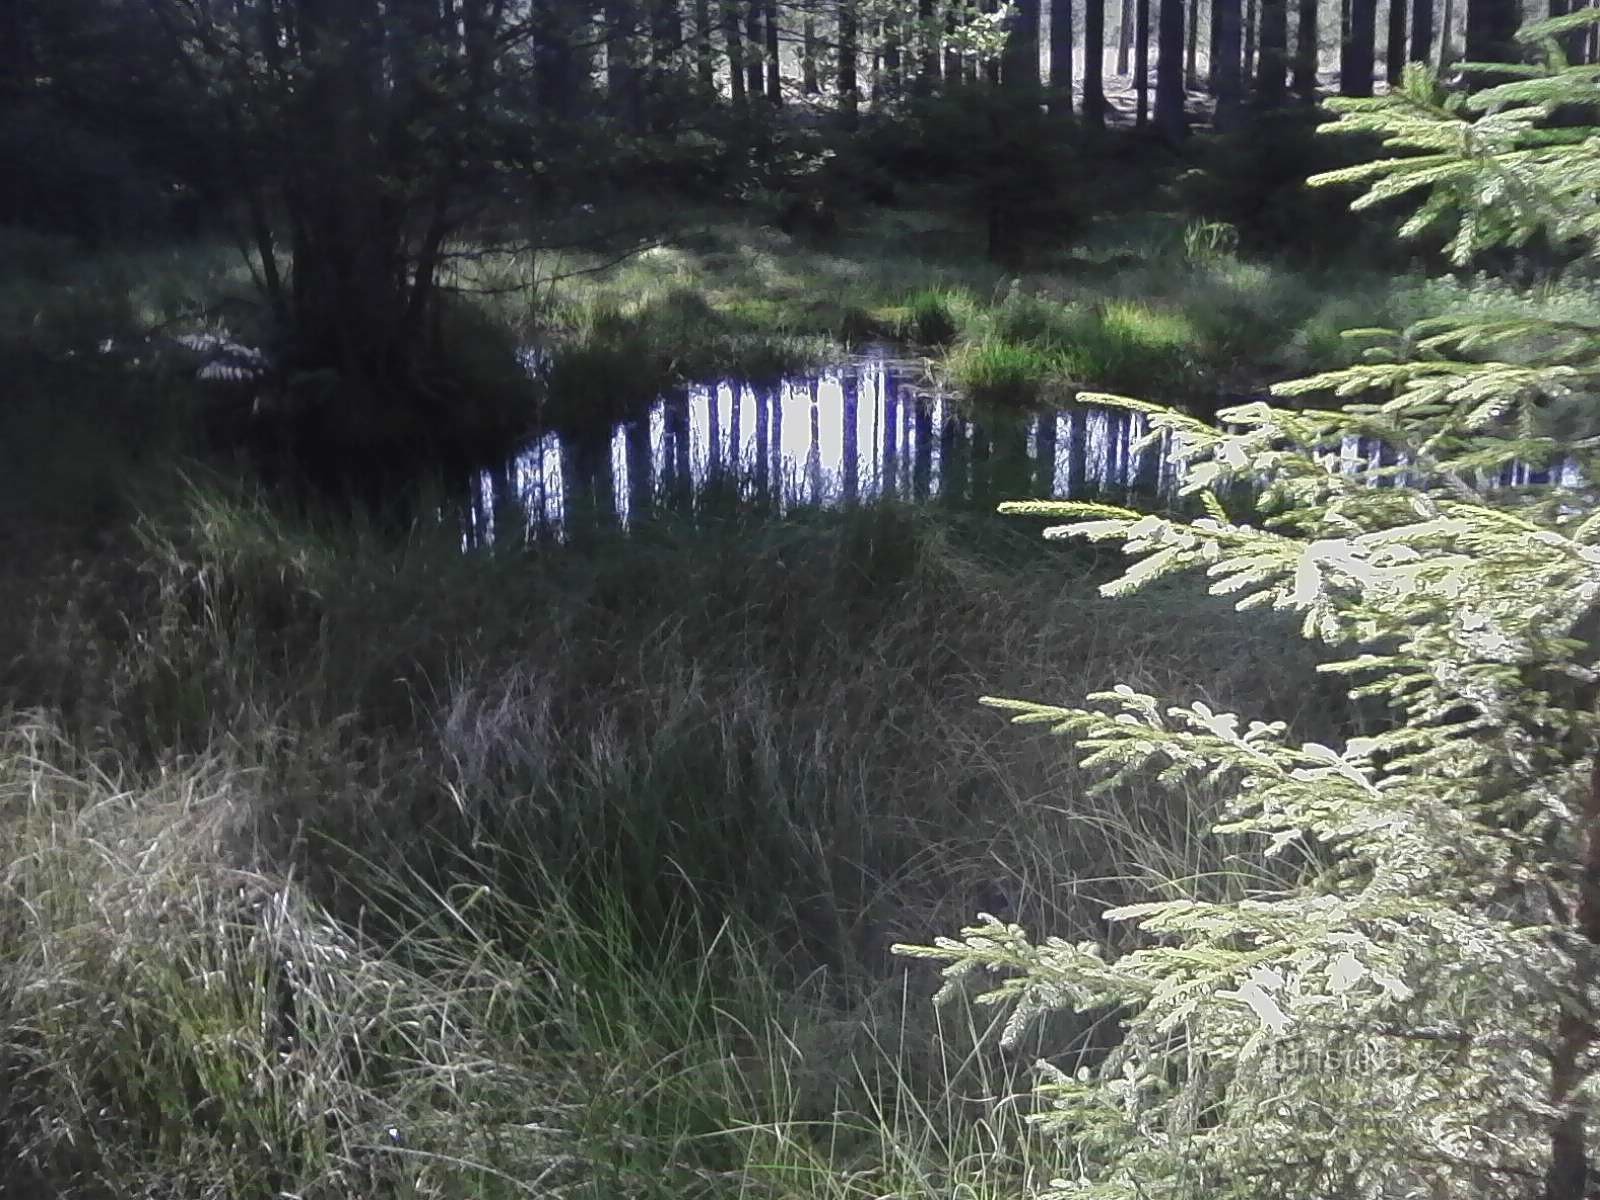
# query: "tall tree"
(1226, 73)
(1124, 35)
(1356, 63)
(1492, 30)
(810, 45)
(1447, 35)
(1395, 50)
(1094, 62)
(1191, 64)
(1141, 63)
(774, 49)
(849, 51)
(1274, 53)
(1061, 52)
(735, 38)
(1306, 50)
(623, 89)
(754, 41)
(1020, 58)
(1171, 120)
(1251, 27)
(1422, 31)
(927, 48)
(705, 54)
(989, 64)
(893, 68)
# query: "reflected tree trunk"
(850, 466)
(641, 469)
(922, 465)
(765, 400)
(889, 474)
(1077, 452)
(1044, 451)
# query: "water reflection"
(865, 430)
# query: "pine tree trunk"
(1125, 35)
(705, 57)
(754, 40)
(1227, 79)
(927, 50)
(1356, 77)
(1141, 63)
(622, 71)
(1306, 51)
(1021, 62)
(1395, 54)
(892, 64)
(1170, 117)
(990, 68)
(1215, 47)
(849, 49)
(1274, 53)
(1094, 62)
(1422, 31)
(735, 40)
(954, 68)
(1061, 53)
(1251, 25)
(1447, 52)
(809, 82)
(774, 50)
(1491, 31)
(1191, 65)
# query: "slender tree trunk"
(1492, 29)
(1141, 63)
(1274, 53)
(954, 67)
(1094, 62)
(1358, 68)
(809, 82)
(1422, 31)
(1125, 35)
(1170, 117)
(927, 49)
(1251, 25)
(1306, 50)
(990, 67)
(1227, 78)
(893, 67)
(774, 54)
(1447, 51)
(735, 40)
(1191, 66)
(849, 50)
(1061, 52)
(705, 55)
(1395, 52)
(1215, 47)
(754, 40)
(1020, 66)
(622, 70)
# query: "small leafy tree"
(1412, 1010)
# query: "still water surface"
(869, 428)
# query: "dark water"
(870, 428)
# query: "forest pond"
(868, 428)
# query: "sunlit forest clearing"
(509, 653)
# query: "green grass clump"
(929, 317)
(993, 371)
(1132, 347)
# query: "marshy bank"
(338, 858)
